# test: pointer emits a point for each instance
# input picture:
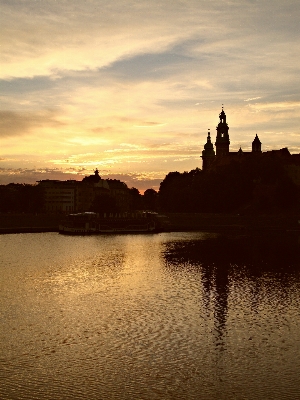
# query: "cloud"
(142, 181)
(148, 125)
(27, 175)
(24, 175)
(115, 84)
(126, 36)
(137, 123)
(253, 98)
(69, 32)
(286, 105)
(20, 123)
(150, 66)
(102, 129)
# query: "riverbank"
(28, 223)
(233, 222)
(23, 223)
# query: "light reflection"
(148, 316)
(262, 268)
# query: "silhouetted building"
(59, 196)
(90, 188)
(256, 145)
(222, 140)
(75, 196)
(208, 154)
(223, 156)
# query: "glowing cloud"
(131, 87)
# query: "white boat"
(89, 223)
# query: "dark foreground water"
(168, 316)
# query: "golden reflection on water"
(166, 316)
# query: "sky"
(132, 87)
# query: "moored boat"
(88, 223)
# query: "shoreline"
(28, 223)
(178, 222)
(4, 231)
(242, 224)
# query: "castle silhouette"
(212, 159)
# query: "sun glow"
(85, 85)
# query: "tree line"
(260, 184)
(28, 198)
(21, 198)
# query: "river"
(163, 316)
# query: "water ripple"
(169, 316)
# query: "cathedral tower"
(222, 140)
(208, 154)
(256, 145)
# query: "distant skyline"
(132, 87)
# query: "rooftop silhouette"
(222, 155)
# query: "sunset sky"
(131, 87)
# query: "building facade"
(80, 196)
(59, 196)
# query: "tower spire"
(208, 154)
(222, 139)
(256, 145)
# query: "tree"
(229, 187)
(150, 199)
(136, 199)
(17, 197)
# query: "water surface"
(167, 316)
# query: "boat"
(90, 223)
